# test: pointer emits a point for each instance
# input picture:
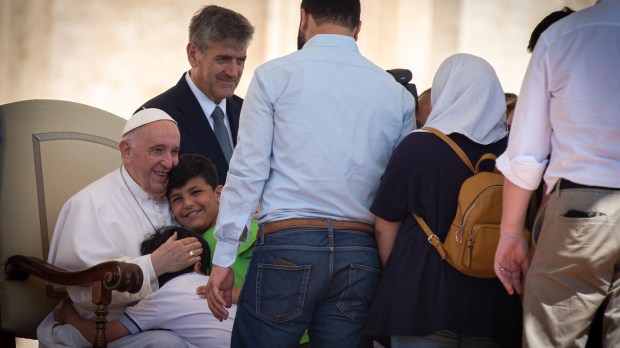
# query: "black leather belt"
(566, 184)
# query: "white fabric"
(207, 105)
(146, 116)
(100, 223)
(569, 104)
(68, 336)
(467, 98)
(176, 307)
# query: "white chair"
(49, 150)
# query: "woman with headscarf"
(421, 300)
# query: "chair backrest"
(49, 150)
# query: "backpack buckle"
(430, 239)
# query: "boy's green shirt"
(240, 267)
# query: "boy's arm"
(235, 294)
(67, 314)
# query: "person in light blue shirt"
(317, 129)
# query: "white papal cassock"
(103, 222)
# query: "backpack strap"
(432, 238)
(486, 156)
(454, 147)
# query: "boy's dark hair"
(189, 167)
(155, 240)
(546, 23)
(342, 12)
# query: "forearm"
(86, 327)
(113, 331)
(515, 203)
(235, 294)
(385, 234)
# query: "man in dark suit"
(203, 101)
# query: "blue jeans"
(316, 279)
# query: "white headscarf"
(467, 98)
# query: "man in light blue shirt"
(317, 129)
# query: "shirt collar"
(332, 40)
(206, 104)
(135, 188)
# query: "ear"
(192, 54)
(303, 22)
(218, 192)
(125, 150)
(197, 267)
(357, 30)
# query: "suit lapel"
(195, 123)
(233, 109)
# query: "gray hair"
(130, 137)
(213, 24)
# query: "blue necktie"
(221, 133)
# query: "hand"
(511, 260)
(236, 292)
(218, 291)
(66, 313)
(174, 255)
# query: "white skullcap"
(145, 116)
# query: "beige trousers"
(575, 270)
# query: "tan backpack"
(474, 233)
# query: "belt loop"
(261, 235)
(330, 227)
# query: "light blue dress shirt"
(316, 131)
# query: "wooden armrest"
(104, 278)
(115, 275)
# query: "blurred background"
(116, 54)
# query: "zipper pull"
(459, 234)
(470, 250)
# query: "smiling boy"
(194, 195)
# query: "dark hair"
(342, 12)
(189, 167)
(546, 23)
(511, 99)
(428, 90)
(155, 240)
(213, 24)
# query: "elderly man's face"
(217, 71)
(151, 155)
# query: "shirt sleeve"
(249, 169)
(146, 314)
(392, 197)
(130, 324)
(529, 144)
(408, 115)
(81, 241)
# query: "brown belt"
(275, 226)
(566, 184)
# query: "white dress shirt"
(569, 105)
(207, 105)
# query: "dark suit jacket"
(196, 134)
